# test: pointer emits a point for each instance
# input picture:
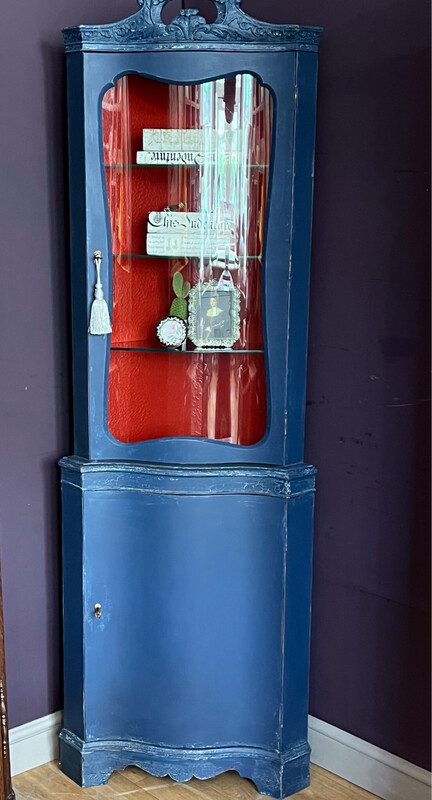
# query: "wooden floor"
(48, 783)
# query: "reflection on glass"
(206, 216)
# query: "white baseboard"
(359, 762)
(34, 743)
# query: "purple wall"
(368, 412)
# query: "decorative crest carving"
(188, 30)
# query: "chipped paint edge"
(171, 479)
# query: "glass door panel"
(187, 176)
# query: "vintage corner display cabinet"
(187, 507)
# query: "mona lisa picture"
(214, 315)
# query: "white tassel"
(100, 322)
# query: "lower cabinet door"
(183, 618)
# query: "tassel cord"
(100, 323)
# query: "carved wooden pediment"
(188, 30)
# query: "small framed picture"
(214, 315)
(171, 331)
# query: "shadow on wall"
(368, 391)
(58, 256)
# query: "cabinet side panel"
(73, 608)
(297, 618)
(79, 258)
(303, 171)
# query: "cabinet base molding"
(360, 762)
(274, 774)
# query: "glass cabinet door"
(186, 172)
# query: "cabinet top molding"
(145, 30)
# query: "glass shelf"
(139, 347)
(145, 255)
(153, 166)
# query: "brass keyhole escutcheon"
(97, 610)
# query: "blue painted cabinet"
(187, 508)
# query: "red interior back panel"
(154, 392)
